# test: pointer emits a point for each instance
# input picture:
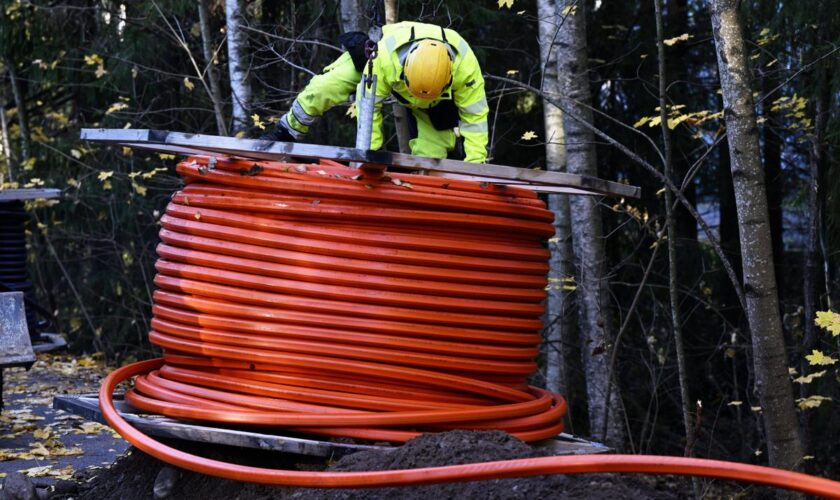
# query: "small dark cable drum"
(13, 274)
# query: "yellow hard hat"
(427, 69)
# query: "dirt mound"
(133, 477)
(464, 447)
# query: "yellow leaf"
(569, 10)
(164, 156)
(188, 84)
(807, 379)
(42, 433)
(352, 111)
(641, 121)
(75, 153)
(682, 38)
(506, 3)
(818, 358)
(512, 72)
(105, 175)
(29, 164)
(107, 185)
(141, 190)
(735, 403)
(100, 71)
(117, 106)
(811, 402)
(94, 60)
(529, 135)
(828, 320)
(257, 122)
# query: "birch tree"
(587, 236)
(557, 323)
(4, 140)
(352, 15)
(771, 372)
(20, 106)
(400, 112)
(240, 90)
(210, 61)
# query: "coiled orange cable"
(313, 299)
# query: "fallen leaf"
(44, 433)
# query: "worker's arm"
(333, 86)
(468, 87)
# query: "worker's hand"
(277, 133)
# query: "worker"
(428, 69)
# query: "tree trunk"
(20, 105)
(587, 235)
(557, 321)
(237, 66)
(210, 61)
(817, 165)
(771, 373)
(400, 112)
(676, 321)
(5, 143)
(352, 15)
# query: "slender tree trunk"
(20, 105)
(400, 112)
(769, 357)
(676, 321)
(588, 239)
(817, 165)
(557, 321)
(728, 230)
(237, 66)
(352, 15)
(210, 61)
(4, 137)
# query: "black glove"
(278, 133)
(354, 43)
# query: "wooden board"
(184, 143)
(87, 406)
(28, 194)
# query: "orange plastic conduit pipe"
(316, 299)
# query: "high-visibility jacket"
(340, 78)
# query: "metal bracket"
(536, 180)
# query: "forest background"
(657, 347)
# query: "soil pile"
(133, 477)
